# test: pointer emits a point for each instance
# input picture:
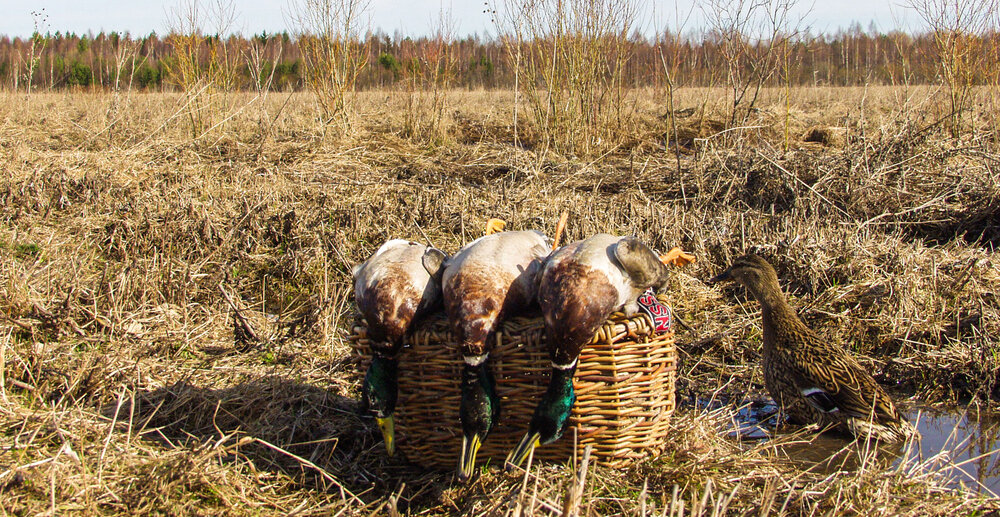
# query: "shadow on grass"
(312, 435)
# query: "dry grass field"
(173, 310)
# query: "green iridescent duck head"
(551, 417)
(479, 410)
(378, 395)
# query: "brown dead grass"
(131, 385)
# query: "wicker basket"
(624, 387)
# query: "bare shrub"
(673, 42)
(753, 38)
(200, 78)
(262, 77)
(40, 20)
(428, 73)
(570, 58)
(960, 29)
(125, 52)
(331, 40)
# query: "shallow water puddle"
(961, 444)
(965, 444)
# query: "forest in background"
(56, 60)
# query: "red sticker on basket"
(658, 312)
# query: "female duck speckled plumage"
(813, 380)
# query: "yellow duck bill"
(388, 427)
(523, 449)
(467, 461)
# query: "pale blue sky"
(411, 17)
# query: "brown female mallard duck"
(813, 380)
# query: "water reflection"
(962, 444)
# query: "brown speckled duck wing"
(780, 379)
(833, 383)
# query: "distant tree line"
(115, 60)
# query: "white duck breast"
(395, 286)
(490, 278)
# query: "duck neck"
(779, 317)
(379, 390)
(552, 414)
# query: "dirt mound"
(826, 135)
